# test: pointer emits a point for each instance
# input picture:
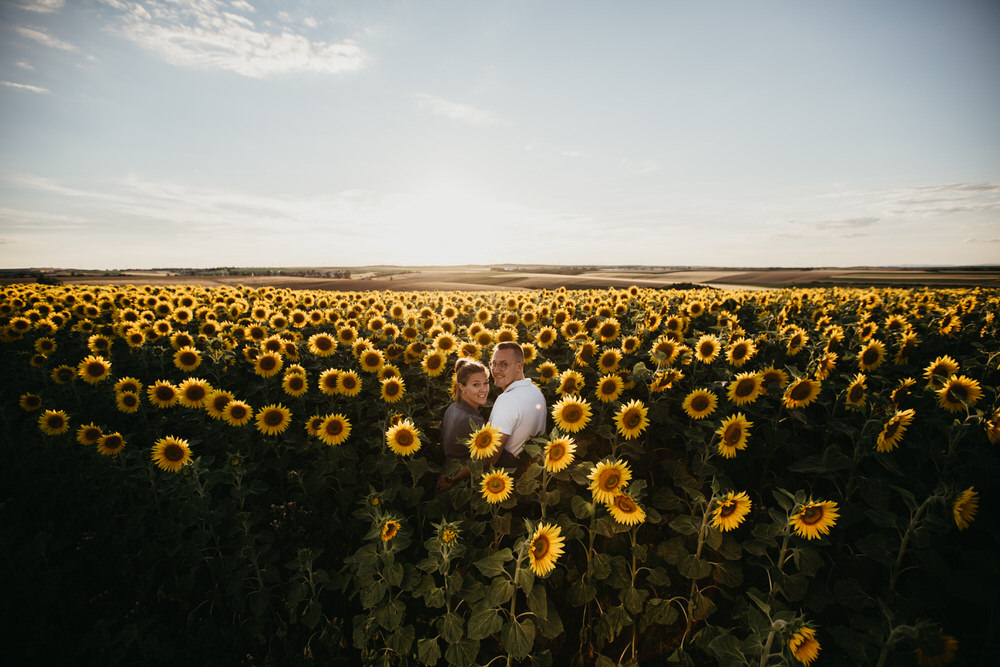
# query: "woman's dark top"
(456, 429)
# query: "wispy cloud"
(25, 86)
(463, 113)
(41, 6)
(45, 38)
(210, 35)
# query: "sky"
(732, 133)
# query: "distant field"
(420, 279)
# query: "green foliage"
(282, 549)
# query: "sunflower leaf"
(518, 637)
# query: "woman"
(462, 418)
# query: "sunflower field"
(248, 476)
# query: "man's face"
(505, 368)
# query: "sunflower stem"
(915, 517)
(766, 653)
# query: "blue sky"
(155, 133)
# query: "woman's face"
(475, 389)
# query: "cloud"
(463, 113)
(25, 86)
(209, 35)
(850, 223)
(977, 241)
(44, 38)
(41, 6)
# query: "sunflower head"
(559, 454)
(571, 413)
(544, 548)
(814, 518)
(608, 479)
(625, 510)
(804, 645)
(171, 453)
(700, 403)
(484, 442)
(965, 507)
(496, 486)
(631, 419)
(403, 438)
(730, 510)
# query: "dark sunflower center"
(268, 363)
(496, 485)
(95, 369)
(957, 392)
(557, 451)
(188, 358)
(296, 382)
(173, 453)
(391, 388)
(572, 414)
(857, 392)
(632, 419)
(800, 392)
(273, 418)
(610, 480)
(727, 509)
(699, 403)
(404, 438)
(745, 388)
(164, 393)
(195, 393)
(733, 434)
(870, 356)
(238, 412)
(540, 547)
(335, 428)
(811, 515)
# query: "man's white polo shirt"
(519, 412)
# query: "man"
(519, 412)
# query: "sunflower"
(393, 389)
(959, 393)
(93, 369)
(964, 509)
(547, 370)
(403, 438)
(433, 363)
(570, 382)
(826, 365)
(237, 413)
(170, 453)
(665, 380)
(797, 338)
(607, 479)
(992, 426)
(631, 419)
(127, 402)
(110, 444)
(730, 510)
(62, 374)
(625, 510)
(608, 361)
(902, 390)
(98, 343)
(559, 454)
(187, 358)
(371, 361)
(814, 518)
(938, 372)
(334, 430)
(128, 384)
(871, 355)
(545, 337)
(496, 486)
(943, 650)
(328, 381)
(484, 442)
(268, 364)
(804, 645)
(30, 402)
(89, 434)
(741, 351)
(734, 433)
(294, 384)
(745, 388)
(390, 528)
(700, 403)
(775, 375)
(348, 383)
(216, 402)
(571, 413)
(855, 393)
(322, 345)
(609, 330)
(892, 432)
(162, 394)
(665, 350)
(544, 549)
(192, 392)
(609, 388)
(801, 393)
(273, 419)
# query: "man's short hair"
(513, 347)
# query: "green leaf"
(538, 602)
(518, 637)
(694, 568)
(428, 651)
(661, 612)
(312, 614)
(452, 628)
(684, 524)
(493, 564)
(372, 594)
(526, 580)
(550, 624)
(658, 577)
(600, 566)
(500, 592)
(390, 615)
(672, 551)
(633, 598)
(463, 653)
(581, 508)
(401, 640)
(484, 623)
(393, 574)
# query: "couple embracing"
(519, 412)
